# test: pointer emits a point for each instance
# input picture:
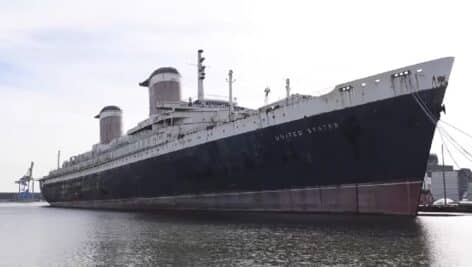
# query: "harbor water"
(37, 235)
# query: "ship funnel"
(164, 86)
(110, 124)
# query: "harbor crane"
(26, 184)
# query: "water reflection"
(63, 237)
(253, 239)
(447, 239)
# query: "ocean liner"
(361, 148)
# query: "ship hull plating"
(398, 198)
(365, 159)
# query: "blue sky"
(8, 72)
(60, 62)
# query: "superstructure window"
(346, 88)
(401, 74)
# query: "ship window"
(345, 88)
(363, 84)
(419, 70)
(401, 74)
(377, 81)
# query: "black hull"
(382, 142)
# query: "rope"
(457, 129)
(445, 136)
(425, 110)
(461, 149)
(430, 114)
(447, 148)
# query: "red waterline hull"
(396, 198)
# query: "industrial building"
(456, 183)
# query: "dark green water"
(36, 235)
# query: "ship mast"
(266, 93)
(230, 85)
(200, 74)
(287, 86)
(58, 159)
